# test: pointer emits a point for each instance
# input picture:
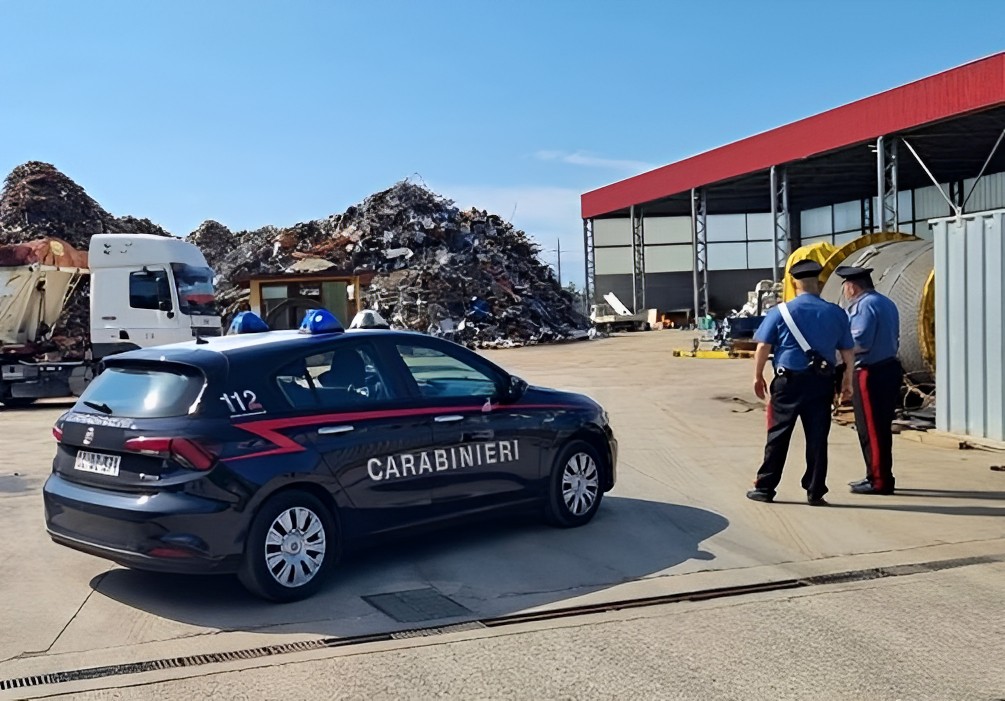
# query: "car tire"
(574, 490)
(281, 555)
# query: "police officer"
(804, 345)
(875, 326)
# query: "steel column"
(780, 219)
(638, 260)
(590, 284)
(699, 242)
(886, 178)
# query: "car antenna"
(199, 340)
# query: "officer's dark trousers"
(806, 396)
(877, 393)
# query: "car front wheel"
(292, 545)
(574, 493)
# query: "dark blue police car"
(266, 454)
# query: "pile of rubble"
(40, 202)
(467, 275)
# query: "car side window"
(342, 378)
(439, 374)
(147, 288)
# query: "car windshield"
(195, 289)
(142, 392)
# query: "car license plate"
(97, 462)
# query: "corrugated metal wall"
(970, 324)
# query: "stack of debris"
(39, 202)
(467, 275)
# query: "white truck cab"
(147, 291)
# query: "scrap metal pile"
(467, 275)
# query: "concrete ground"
(691, 436)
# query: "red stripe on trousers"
(870, 424)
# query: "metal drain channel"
(513, 619)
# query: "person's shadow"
(492, 568)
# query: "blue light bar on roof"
(247, 322)
(320, 321)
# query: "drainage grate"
(443, 630)
(432, 604)
(416, 605)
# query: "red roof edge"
(973, 86)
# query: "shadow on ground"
(492, 568)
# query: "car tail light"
(57, 433)
(183, 450)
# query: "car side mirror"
(514, 389)
(165, 305)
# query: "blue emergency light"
(320, 321)
(247, 322)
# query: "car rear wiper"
(102, 407)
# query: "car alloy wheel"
(580, 483)
(574, 492)
(295, 547)
(292, 544)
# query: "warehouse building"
(700, 233)
(924, 160)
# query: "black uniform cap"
(850, 272)
(804, 269)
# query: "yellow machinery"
(904, 270)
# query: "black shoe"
(869, 489)
(859, 483)
(760, 495)
(816, 501)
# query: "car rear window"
(143, 392)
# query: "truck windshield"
(195, 290)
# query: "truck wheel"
(292, 546)
(574, 493)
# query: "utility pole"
(558, 248)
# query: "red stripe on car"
(268, 429)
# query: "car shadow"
(493, 568)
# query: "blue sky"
(255, 113)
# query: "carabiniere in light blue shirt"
(875, 326)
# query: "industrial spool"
(904, 270)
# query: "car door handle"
(330, 430)
(448, 418)
(479, 436)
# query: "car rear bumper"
(162, 532)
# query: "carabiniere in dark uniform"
(805, 345)
(875, 327)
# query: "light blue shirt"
(824, 325)
(875, 326)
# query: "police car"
(268, 453)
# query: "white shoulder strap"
(793, 329)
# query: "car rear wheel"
(574, 493)
(292, 545)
